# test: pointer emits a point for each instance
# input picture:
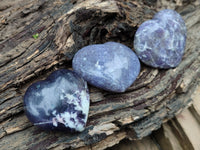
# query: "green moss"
(35, 36)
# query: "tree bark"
(63, 28)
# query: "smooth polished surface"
(111, 66)
(160, 42)
(59, 102)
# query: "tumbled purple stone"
(111, 66)
(160, 42)
(59, 102)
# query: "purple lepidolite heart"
(59, 102)
(111, 66)
(160, 42)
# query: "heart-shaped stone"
(59, 102)
(111, 66)
(160, 42)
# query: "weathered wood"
(166, 138)
(190, 126)
(195, 108)
(146, 143)
(63, 28)
(181, 132)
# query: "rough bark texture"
(63, 28)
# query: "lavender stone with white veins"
(111, 66)
(59, 102)
(160, 42)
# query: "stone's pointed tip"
(60, 102)
(110, 66)
(160, 42)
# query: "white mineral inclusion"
(65, 117)
(47, 102)
(83, 105)
(97, 65)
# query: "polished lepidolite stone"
(111, 66)
(160, 42)
(59, 102)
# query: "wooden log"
(63, 27)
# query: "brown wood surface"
(63, 28)
(179, 133)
